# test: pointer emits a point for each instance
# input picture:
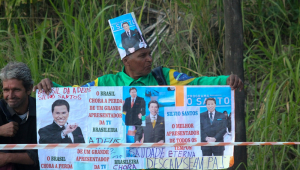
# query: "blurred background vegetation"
(70, 42)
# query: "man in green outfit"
(137, 72)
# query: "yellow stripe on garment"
(75, 86)
(173, 80)
(96, 82)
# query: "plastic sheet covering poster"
(166, 114)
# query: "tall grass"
(73, 49)
(70, 42)
(272, 66)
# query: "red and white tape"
(136, 145)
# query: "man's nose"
(11, 94)
(149, 58)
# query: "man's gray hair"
(17, 70)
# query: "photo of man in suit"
(213, 128)
(60, 131)
(154, 131)
(134, 107)
(228, 119)
(130, 39)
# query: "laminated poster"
(127, 114)
(127, 34)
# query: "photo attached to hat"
(127, 34)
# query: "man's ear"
(29, 90)
(125, 61)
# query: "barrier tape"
(134, 145)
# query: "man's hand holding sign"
(235, 82)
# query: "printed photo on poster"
(154, 131)
(215, 117)
(213, 128)
(60, 130)
(133, 105)
(156, 98)
(127, 34)
(62, 119)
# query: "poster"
(127, 34)
(223, 108)
(160, 114)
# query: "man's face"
(133, 93)
(126, 27)
(153, 108)
(210, 105)
(140, 62)
(60, 115)
(225, 114)
(15, 94)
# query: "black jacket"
(131, 117)
(151, 135)
(25, 135)
(132, 41)
(52, 134)
(217, 129)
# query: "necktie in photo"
(211, 118)
(128, 34)
(153, 123)
(132, 102)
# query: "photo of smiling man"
(60, 131)
(213, 128)
(130, 39)
(154, 131)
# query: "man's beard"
(17, 104)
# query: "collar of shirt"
(133, 99)
(153, 117)
(23, 116)
(213, 114)
(122, 79)
(142, 81)
(12, 112)
(60, 125)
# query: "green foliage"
(71, 43)
(75, 49)
(272, 68)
